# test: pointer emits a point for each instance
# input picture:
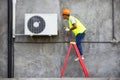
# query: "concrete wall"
(62, 79)
(3, 38)
(95, 15)
(44, 56)
(117, 19)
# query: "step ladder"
(80, 60)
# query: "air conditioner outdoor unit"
(41, 24)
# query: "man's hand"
(67, 29)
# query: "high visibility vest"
(79, 27)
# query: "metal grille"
(36, 24)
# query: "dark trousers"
(79, 39)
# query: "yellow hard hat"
(66, 11)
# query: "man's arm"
(73, 26)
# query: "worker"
(76, 27)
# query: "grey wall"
(44, 56)
(95, 15)
(117, 19)
(62, 79)
(3, 38)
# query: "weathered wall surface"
(42, 59)
(62, 79)
(33, 58)
(117, 19)
(3, 38)
(36, 6)
(95, 15)
(39, 61)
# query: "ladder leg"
(65, 62)
(81, 61)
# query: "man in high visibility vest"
(76, 27)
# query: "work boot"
(78, 58)
(83, 58)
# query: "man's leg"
(79, 39)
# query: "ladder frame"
(80, 60)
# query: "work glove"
(67, 29)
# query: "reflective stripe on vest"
(80, 28)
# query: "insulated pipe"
(10, 42)
(14, 10)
